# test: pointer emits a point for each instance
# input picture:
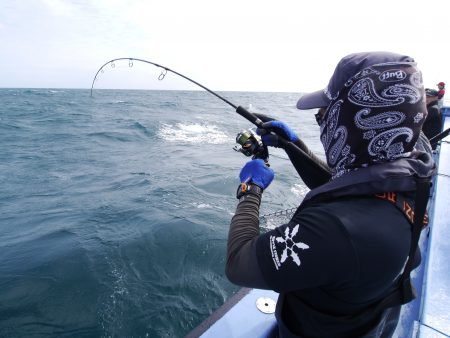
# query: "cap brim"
(312, 100)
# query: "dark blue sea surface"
(114, 209)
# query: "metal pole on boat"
(435, 139)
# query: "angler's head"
(371, 112)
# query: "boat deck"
(239, 317)
(435, 315)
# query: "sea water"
(114, 209)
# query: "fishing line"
(285, 212)
(274, 219)
(239, 109)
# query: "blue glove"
(280, 129)
(257, 172)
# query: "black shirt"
(332, 260)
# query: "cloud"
(59, 7)
(234, 45)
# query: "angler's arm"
(313, 171)
(242, 265)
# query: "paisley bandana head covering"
(346, 68)
(375, 117)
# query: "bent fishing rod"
(250, 142)
(239, 109)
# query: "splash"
(192, 133)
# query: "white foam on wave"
(192, 133)
(202, 205)
(299, 190)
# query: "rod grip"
(249, 116)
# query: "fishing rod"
(435, 139)
(239, 109)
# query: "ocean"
(114, 209)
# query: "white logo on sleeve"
(289, 244)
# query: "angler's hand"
(279, 129)
(257, 172)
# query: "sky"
(236, 45)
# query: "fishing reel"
(251, 145)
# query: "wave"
(121, 102)
(142, 129)
(41, 92)
(115, 136)
(192, 133)
(168, 104)
(8, 126)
